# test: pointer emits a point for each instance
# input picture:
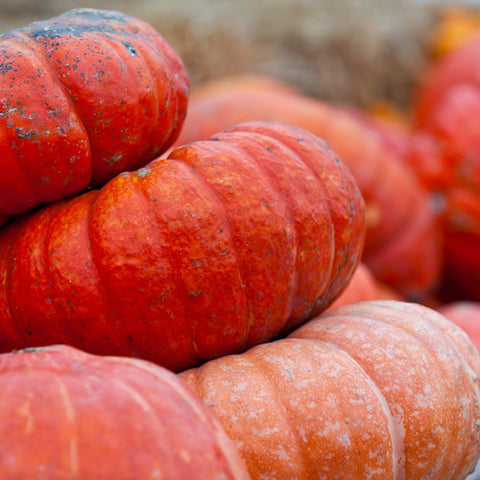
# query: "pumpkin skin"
(378, 389)
(83, 97)
(223, 245)
(68, 414)
(402, 245)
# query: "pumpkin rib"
(217, 199)
(38, 49)
(163, 59)
(273, 183)
(180, 284)
(397, 432)
(262, 371)
(14, 285)
(107, 278)
(461, 344)
(448, 333)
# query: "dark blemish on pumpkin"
(6, 67)
(196, 263)
(28, 135)
(195, 293)
(130, 339)
(300, 140)
(215, 139)
(130, 48)
(270, 149)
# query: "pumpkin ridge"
(180, 284)
(274, 184)
(106, 280)
(8, 301)
(17, 253)
(218, 200)
(395, 427)
(263, 370)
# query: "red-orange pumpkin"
(68, 414)
(83, 97)
(380, 390)
(402, 242)
(219, 247)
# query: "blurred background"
(355, 51)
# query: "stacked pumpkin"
(126, 259)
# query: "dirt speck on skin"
(354, 51)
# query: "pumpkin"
(222, 245)
(402, 245)
(445, 152)
(69, 414)
(465, 314)
(364, 286)
(83, 97)
(376, 389)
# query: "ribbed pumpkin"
(402, 242)
(379, 390)
(221, 246)
(68, 414)
(83, 97)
